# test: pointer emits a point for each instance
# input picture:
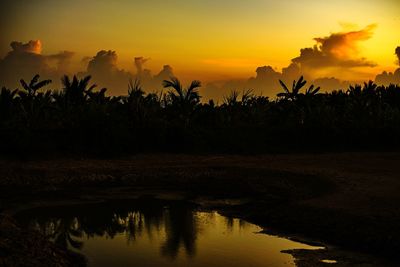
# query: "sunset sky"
(209, 39)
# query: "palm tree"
(311, 91)
(188, 97)
(231, 99)
(33, 103)
(135, 102)
(294, 93)
(135, 90)
(76, 92)
(33, 86)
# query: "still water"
(158, 233)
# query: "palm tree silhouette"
(33, 86)
(294, 92)
(182, 102)
(32, 103)
(76, 91)
(183, 97)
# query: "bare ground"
(349, 200)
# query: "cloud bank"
(105, 72)
(26, 59)
(319, 64)
(386, 78)
(337, 50)
(103, 67)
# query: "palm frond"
(24, 85)
(34, 80)
(41, 84)
(284, 86)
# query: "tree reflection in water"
(69, 226)
(181, 230)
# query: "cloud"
(266, 78)
(386, 78)
(33, 46)
(154, 83)
(332, 55)
(266, 82)
(330, 83)
(62, 60)
(339, 50)
(103, 62)
(166, 73)
(85, 60)
(103, 68)
(26, 59)
(105, 72)
(62, 56)
(139, 62)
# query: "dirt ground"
(350, 200)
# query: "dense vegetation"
(79, 118)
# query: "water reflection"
(69, 226)
(181, 231)
(159, 233)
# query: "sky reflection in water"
(158, 233)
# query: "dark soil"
(348, 200)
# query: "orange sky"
(208, 39)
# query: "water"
(158, 233)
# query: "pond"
(158, 233)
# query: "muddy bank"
(22, 247)
(335, 257)
(349, 200)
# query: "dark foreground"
(347, 200)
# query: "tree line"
(79, 118)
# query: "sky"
(210, 40)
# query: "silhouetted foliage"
(79, 118)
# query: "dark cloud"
(139, 62)
(266, 82)
(165, 74)
(265, 79)
(103, 62)
(62, 60)
(33, 46)
(105, 72)
(154, 83)
(25, 60)
(398, 53)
